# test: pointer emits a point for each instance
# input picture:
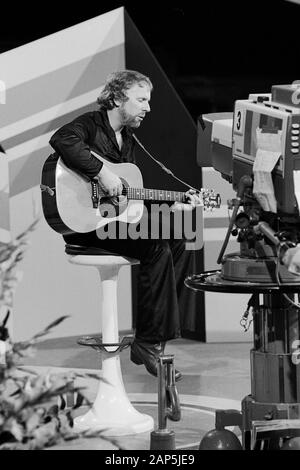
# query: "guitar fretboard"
(154, 194)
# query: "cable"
(164, 168)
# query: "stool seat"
(112, 411)
(94, 256)
(87, 250)
(102, 260)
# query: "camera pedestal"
(270, 415)
(263, 270)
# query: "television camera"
(231, 144)
(256, 149)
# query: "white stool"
(112, 409)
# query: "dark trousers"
(165, 305)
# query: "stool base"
(135, 424)
(112, 410)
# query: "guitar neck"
(155, 195)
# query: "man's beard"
(128, 120)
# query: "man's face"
(133, 111)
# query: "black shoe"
(146, 353)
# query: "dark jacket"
(91, 131)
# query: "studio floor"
(215, 376)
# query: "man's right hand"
(110, 182)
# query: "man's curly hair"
(117, 84)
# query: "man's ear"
(116, 103)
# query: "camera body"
(229, 142)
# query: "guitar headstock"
(211, 199)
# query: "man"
(163, 300)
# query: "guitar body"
(70, 208)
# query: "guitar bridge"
(95, 193)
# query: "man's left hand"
(193, 200)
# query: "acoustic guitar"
(73, 203)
